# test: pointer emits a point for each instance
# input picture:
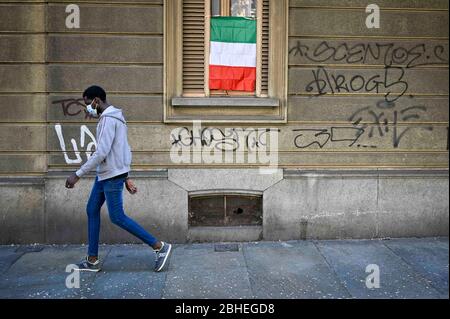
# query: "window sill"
(225, 101)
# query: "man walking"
(112, 159)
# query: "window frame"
(270, 109)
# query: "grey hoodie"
(113, 155)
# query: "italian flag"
(232, 64)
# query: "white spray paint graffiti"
(84, 130)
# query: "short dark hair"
(95, 91)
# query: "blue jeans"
(111, 190)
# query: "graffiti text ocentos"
(386, 54)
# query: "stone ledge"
(225, 101)
(193, 180)
(162, 173)
(22, 180)
(301, 173)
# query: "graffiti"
(387, 54)
(230, 139)
(395, 59)
(369, 122)
(84, 130)
(392, 82)
(72, 107)
(385, 116)
(321, 137)
(223, 139)
(196, 145)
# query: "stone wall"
(368, 101)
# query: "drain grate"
(220, 248)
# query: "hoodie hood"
(113, 112)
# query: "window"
(240, 8)
(196, 44)
(243, 8)
(188, 95)
(259, 11)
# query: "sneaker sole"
(165, 259)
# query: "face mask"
(92, 112)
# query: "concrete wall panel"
(22, 138)
(113, 49)
(22, 78)
(20, 107)
(160, 207)
(351, 22)
(345, 109)
(109, 18)
(22, 17)
(18, 163)
(23, 221)
(413, 207)
(429, 4)
(22, 48)
(140, 79)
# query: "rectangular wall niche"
(225, 210)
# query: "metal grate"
(220, 248)
(225, 210)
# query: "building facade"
(345, 136)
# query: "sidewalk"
(409, 268)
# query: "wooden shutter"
(193, 47)
(265, 49)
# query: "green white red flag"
(232, 64)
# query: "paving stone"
(127, 272)
(198, 272)
(291, 270)
(428, 257)
(350, 260)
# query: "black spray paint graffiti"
(368, 120)
(228, 140)
(72, 107)
(395, 58)
(385, 116)
(320, 137)
(387, 54)
(392, 82)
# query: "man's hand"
(131, 188)
(72, 180)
